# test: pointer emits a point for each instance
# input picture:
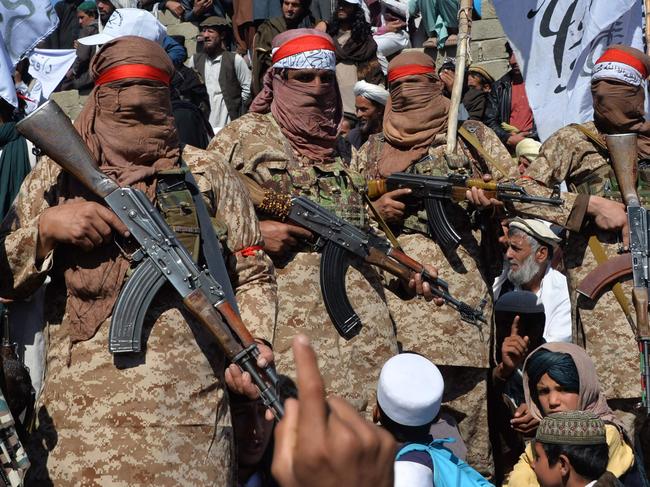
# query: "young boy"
(409, 394)
(571, 451)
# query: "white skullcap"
(372, 92)
(410, 389)
(539, 229)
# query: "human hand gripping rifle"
(623, 152)
(339, 241)
(435, 191)
(162, 258)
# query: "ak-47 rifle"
(162, 258)
(338, 240)
(434, 191)
(623, 152)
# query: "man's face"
(292, 10)
(554, 398)
(84, 19)
(370, 115)
(212, 38)
(345, 10)
(523, 263)
(547, 476)
(514, 65)
(317, 77)
(105, 10)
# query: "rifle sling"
(210, 245)
(591, 136)
(382, 223)
(472, 140)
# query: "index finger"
(396, 193)
(514, 329)
(111, 218)
(311, 392)
(625, 231)
(298, 231)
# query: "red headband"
(408, 70)
(124, 71)
(302, 44)
(618, 56)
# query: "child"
(409, 395)
(570, 450)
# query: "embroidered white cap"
(128, 22)
(410, 389)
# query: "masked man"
(414, 139)
(288, 145)
(160, 416)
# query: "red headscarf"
(128, 125)
(308, 113)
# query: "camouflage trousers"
(350, 368)
(459, 349)
(158, 417)
(465, 398)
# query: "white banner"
(557, 43)
(23, 24)
(49, 66)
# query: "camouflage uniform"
(159, 417)
(600, 326)
(437, 332)
(255, 146)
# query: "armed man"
(288, 145)
(159, 416)
(578, 155)
(413, 141)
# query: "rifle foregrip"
(640, 301)
(479, 184)
(65, 146)
(235, 323)
(376, 188)
(197, 303)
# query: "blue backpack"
(448, 469)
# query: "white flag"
(557, 43)
(22, 26)
(49, 66)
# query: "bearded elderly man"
(414, 139)
(370, 101)
(527, 267)
(288, 145)
(577, 154)
(160, 416)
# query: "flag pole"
(464, 29)
(646, 30)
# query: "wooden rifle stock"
(605, 275)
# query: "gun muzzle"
(51, 131)
(623, 152)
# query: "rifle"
(338, 240)
(623, 151)
(434, 191)
(161, 256)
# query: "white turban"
(372, 92)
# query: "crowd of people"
(536, 384)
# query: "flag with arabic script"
(557, 42)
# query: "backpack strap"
(448, 469)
